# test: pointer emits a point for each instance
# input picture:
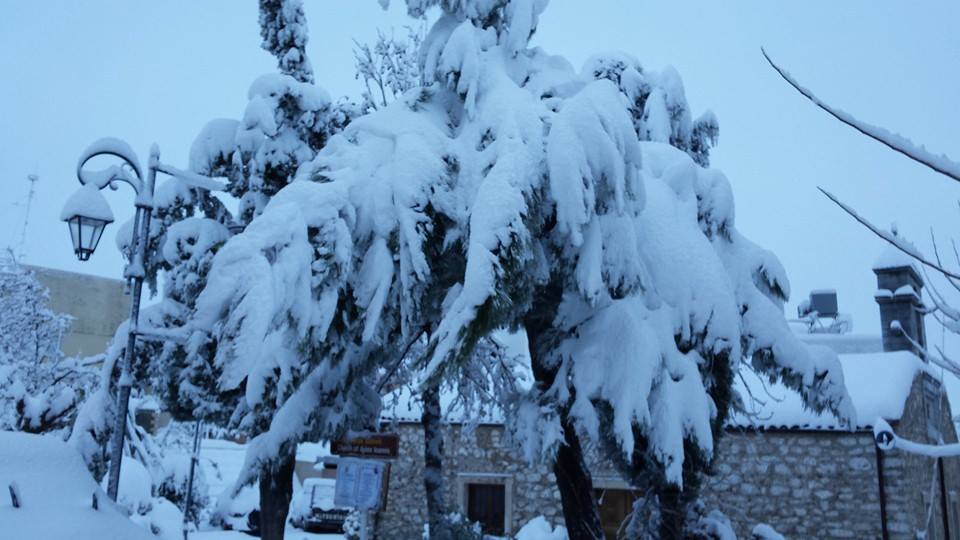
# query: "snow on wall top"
(56, 493)
(878, 384)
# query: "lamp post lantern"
(87, 214)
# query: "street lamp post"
(87, 214)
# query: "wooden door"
(614, 505)
(486, 504)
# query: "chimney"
(899, 287)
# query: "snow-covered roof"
(878, 384)
(844, 343)
(56, 494)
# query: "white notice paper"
(359, 482)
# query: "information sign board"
(377, 445)
(359, 482)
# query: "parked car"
(313, 509)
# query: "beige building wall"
(97, 306)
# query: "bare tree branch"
(893, 240)
(939, 303)
(936, 254)
(942, 361)
(942, 164)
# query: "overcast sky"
(158, 71)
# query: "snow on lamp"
(87, 214)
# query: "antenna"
(32, 178)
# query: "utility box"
(824, 302)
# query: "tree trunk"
(276, 490)
(433, 460)
(672, 513)
(580, 513)
(575, 484)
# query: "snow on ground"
(56, 494)
(291, 533)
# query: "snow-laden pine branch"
(898, 143)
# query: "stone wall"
(97, 305)
(913, 482)
(807, 484)
(480, 456)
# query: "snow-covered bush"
(137, 496)
(162, 518)
(173, 486)
(539, 528)
(455, 525)
(762, 531)
(29, 330)
(712, 525)
(96, 415)
(351, 526)
(39, 387)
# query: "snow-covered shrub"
(39, 388)
(96, 415)
(351, 526)
(713, 525)
(539, 528)
(162, 518)
(135, 492)
(140, 496)
(762, 531)
(455, 525)
(173, 485)
(29, 330)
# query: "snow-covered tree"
(286, 121)
(587, 238)
(388, 69)
(29, 329)
(511, 191)
(283, 27)
(39, 387)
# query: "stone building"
(98, 305)
(798, 471)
